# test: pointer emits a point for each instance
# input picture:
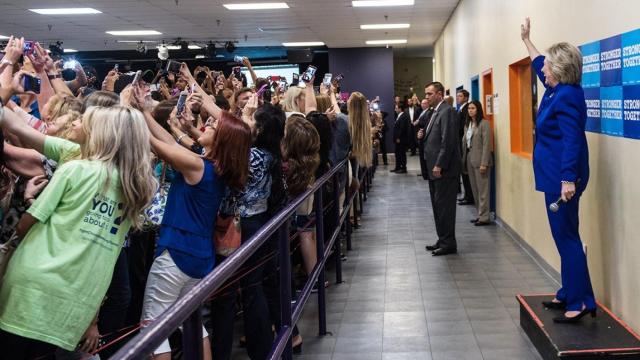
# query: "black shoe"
(441, 251)
(554, 305)
(474, 221)
(482, 223)
(394, 170)
(420, 175)
(465, 202)
(403, 171)
(432, 247)
(572, 320)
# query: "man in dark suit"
(421, 122)
(414, 111)
(442, 156)
(462, 98)
(401, 136)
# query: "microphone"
(554, 207)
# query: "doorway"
(475, 87)
(487, 102)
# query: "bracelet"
(54, 76)
(567, 182)
(180, 138)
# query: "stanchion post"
(285, 284)
(338, 227)
(192, 336)
(322, 306)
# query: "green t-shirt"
(60, 150)
(60, 272)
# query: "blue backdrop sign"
(611, 82)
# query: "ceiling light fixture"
(3, 37)
(308, 43)
(169, 47)
(382, 3)
(384, 26)
(386, 42)
(257, 6)
(66, 11)
(133, 32)
(194, 47)
(69, 51)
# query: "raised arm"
(28, 136)
(310, 103)
(80, 80)
(525, 30)
(247, 63)
(207, 101)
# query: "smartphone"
(327, 79)
(31, 83)
(182, 101)
(237, 72)
(193, 88)
(28, 47)
(154, 87)
(239, 59)
(116, 67)
(295, 79)
(339, 77)
(173, 66)
(375, 106)
(136, 77)
(262, 90)
(282, 85)
(308, 75)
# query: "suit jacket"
(560, 152)
(423, 120)
(441, 146)
(479, 153)
(462, 120)
(402, 129)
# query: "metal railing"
(186, 311)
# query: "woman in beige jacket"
(476, 157)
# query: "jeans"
(113, 312)
(257, 318)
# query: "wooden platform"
(603, 337)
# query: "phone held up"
(31, 84)
(237, 72)
(173, 66)
(182, 101)
(327, 79)
(309, 74)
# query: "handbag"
(227, 234)
(154, 213)
(6, 251)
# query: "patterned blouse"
(253, 200)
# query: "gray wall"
(412, 72)
(369, 71)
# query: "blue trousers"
(576, 285)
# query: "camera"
(31, 84)
(173, 66)
(239, 59)
(308, 75)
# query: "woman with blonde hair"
(294, 101)
(360, 130)
(73, 232)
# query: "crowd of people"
(116, 201)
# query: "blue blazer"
(560, 151)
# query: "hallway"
(399, 302)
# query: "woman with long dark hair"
(477, 159)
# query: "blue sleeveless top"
(188, 222)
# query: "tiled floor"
(399, 302)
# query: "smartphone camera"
(239, 59)
(327, 79)
(28, 47)
(182, 101)
(308, 75)
(31, 84)
(173, 66)
(237, 72)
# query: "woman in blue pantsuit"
(561, 168)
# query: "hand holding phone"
(327, 79)
(31, 83)
(173, 66)
(136, 77)
(182, 101)
(309, 74)
(237, 73)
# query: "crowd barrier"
(186, 311)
